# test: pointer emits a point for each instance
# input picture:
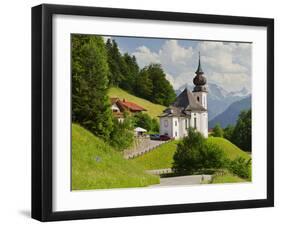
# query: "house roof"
(131, 106)
(183, 105)
(123, 104)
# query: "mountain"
(230, 115)
(218, 98)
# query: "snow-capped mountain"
(219, 99)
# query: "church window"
(176, 123)
(195, 123)
(187, 123)
(166, 123)
(176, 134)
(198, 99)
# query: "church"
(188, 110)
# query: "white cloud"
(227, 64)
(145, 56)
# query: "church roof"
(183, 105)
(187, 101)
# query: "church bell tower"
(200, 89)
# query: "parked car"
(154, 137)
(164, 137)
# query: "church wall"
(166, 126)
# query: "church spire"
(199, 80)
(199, 69)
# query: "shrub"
(195, 154)
(143, 120)
(217, 131)
(122, 135)
(154, 125)
(241, 167)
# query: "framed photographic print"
(146, 112)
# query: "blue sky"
(226, 64)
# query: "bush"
(217, 131)
(143, 120)
(155, 125)
(122, 135)
(241, 167)
(195, 154)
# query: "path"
(182, 180)
(142, 146)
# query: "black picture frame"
(42, 111)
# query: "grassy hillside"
(162, 157)
(96, 165)
(226, 178)
(231, 150)
(153, 110)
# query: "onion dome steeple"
(199, 80)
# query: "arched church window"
(195, 123)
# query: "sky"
(227, 64)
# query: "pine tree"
(90, 104)
(162, 91)
(242, 134)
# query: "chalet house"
(118, 108)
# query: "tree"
(144, 85)
(90, 104)
(194, 154)
(228, 132)
(162, 91)
(242, 134)
(122, 135)
(143, 120)
(130, 72)
(115, 63)
(155, 125)
(217, 131)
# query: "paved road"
(142, 146)
(182, 180)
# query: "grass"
(231, 150)
(96, 165)
(153, 110)
(159, 158)
(226, 178)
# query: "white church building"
(188, 110)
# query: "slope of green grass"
(231, 150)
(153, 110)
(159, 158)
(226, 178)
(162, 156)
(96, 165)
